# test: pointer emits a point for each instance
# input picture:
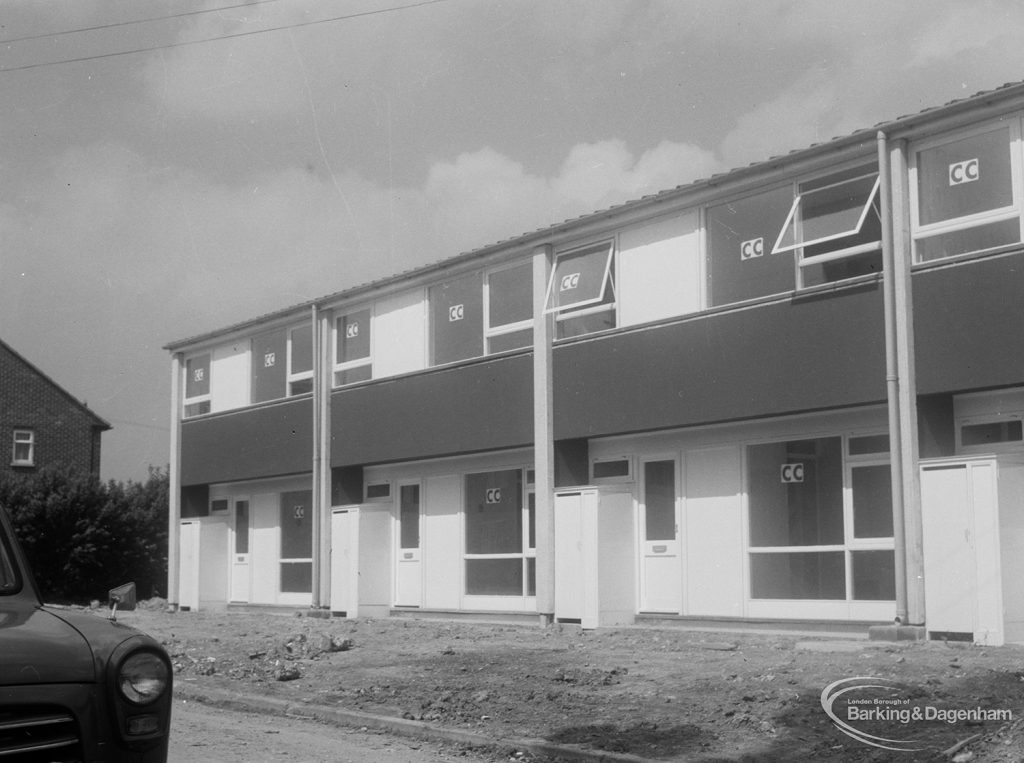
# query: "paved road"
(212, 735)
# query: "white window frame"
(1008, 446)
(627, 477)
(966, 222)
(381, 498)
(22, 437)
(526, 551)
(849, 545)
(505, 328)
(339, 366)
(198, 400)
(301, 376)
(793, 220)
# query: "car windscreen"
(8, 578)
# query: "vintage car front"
(75, 686)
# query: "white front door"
(408, 575)
(241, 581)
(660, 568)
(344, 564)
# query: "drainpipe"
(892, 379)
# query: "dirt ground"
(662, 694)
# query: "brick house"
(41, 424)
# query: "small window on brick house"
(24, 449)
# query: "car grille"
(32, 734)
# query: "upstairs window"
(300, 360)
(24, 449)
(740, 232)
(269, 366)
(352, 347)
(581, 292)
(965, 192)
(456, 325)
(508, 295)
(834, 227)
(197, 385)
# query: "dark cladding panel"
(572, 462)
(248, 444)
(481, 406)
(195, 501)
(346, 485)
(811, 353)
(967, 325)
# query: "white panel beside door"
(713, 532)
(442, 542)
(264, 514)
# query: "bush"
(84, 537)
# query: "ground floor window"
(820, 520)
(499, 535)
(297, 542)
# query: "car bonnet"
(37, 647)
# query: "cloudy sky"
(176, 166)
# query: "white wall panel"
(229, 377)
(713, 532)
(659, 273)
(399, 334)
(442, 542)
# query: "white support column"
(174, 484)
(543, 437)
(318, 505)
(908, 423)
(324, 379)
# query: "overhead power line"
(115, 25)
(236, 35)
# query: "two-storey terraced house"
(790, 393)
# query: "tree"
(83, 537)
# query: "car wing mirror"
(123, 598)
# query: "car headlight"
(142, 678)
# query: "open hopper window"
(835, 224)
(581, 291)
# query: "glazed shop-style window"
(269, 364)
(581, 292)
(965, 192)
(300, 360)
(508, 296)
(834, 226)
(496, 523)
(352, 362)
(197, 385)
(456, 319)
(24, 448)
(740, 234)
(821, 525)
